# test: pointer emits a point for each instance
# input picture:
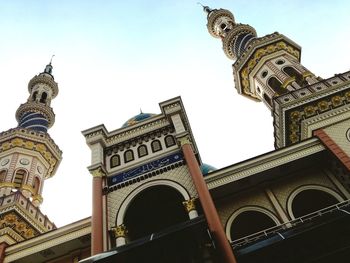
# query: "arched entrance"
(311, 200)
(154, 209)
(250, 222)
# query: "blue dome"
(138, 118)
(206, 168)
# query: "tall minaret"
(264, 67)
(28, 156)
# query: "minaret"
(264, 67)
(28, 156)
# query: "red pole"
(3, 247)
(97, 217)
(207, 203)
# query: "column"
(207, 203)
(190, 207)
(120, 233)
(3, 247)
(97, 216)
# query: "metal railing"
(276, 230)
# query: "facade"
(154, 200)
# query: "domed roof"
(206, 168)
(138, 118)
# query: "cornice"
(45, 80)
(264, 162)
(48, 240)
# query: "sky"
(113, 58)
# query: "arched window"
(156, 146)
(43, 97)
(250, 222)
(128, 156)
(276, 85)
(2, 176)
(36, 185)
(267, 99)
(34, 95)
(311, 200)
(292, 72)
(142, 150)
(19, 178)
(115, 161)
(169, 141)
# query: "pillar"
(3, 247)
(120, 233)
(206, 201)
(97, 216)
(190, 207)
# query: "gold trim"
(184, 140)
(38, 198)
(28, 188)
(189, 205)
(7, 184)
(288, 81)
(120, 231)
(98, 172)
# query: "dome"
(138, 118)
(206, 168)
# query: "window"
(292, 72)
(36, 185)
(128, 156)
(169, 141)
(156, 146)
(19, 178)
(115, 161)
(267, 99)
(142, 150)
(2, 176)
(43, 97)
(34, 95)
(250, 222)
(276, 86)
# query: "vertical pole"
(207, 203)
(3, 247)
(97, 216)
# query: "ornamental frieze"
(296, 116)
(21, 227)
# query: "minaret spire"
(36, 113)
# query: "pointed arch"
(35, 94)
(43, 97)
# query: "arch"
(315, 206)
(36, 185)
(34, 95)
(128, 156)
(124, 206)
(276, 86)
(292, 72)
(3, 175)
(114, 161)
(156, 146)
(169, 140)
(254, 209)
(19, 178)
(142, 150)
(43, 97)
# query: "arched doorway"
(153, 210)
(311, 200)
(250, 222)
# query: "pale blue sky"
(113, 57)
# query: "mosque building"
(154, 200)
